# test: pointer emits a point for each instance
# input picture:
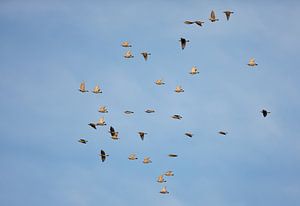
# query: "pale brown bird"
(97, 90)
(194, 71)
(113, 133)
(101, 122)
(183, 42)
(145, 55)
(179, 89)
(169, 173)
(228, 13)
(252, 62)
(264, 112)
(160, 179)
(125, 44)
(213, 16)
(159, 82)
(102, 109)
(147, 160)
(132, 157)
(82, 87)
(103, 155)
(142, 135)
(164, 190)
(128, 55)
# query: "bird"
(93, 125)
(179, 89)
(160, 179)
(223, 133)
(113, 133)
(128, 55)
(198, 22)
(164, 190)
(177, 116)
(213, 16)
(189, 134)
(228, 13)
(265, 112)
(101, 122)
(128, 112)
(194, 71)
(169, 173)
(183, 42)
(82, 87)
(132, 157)
(125, 44)
(83, 141)
(173, 155)
(145, 55)
(103, 155)
(149, 111)
(97, 90)
(189, 22)
(142, 135)
(159, 82)
(102, 109)
(252, 62)
(147, 160)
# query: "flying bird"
(189, 134)
(125, 44)
(150, 111)
(103, 155)
(142, 135)
(97, 90)
(199, 23)
(83, 141)
(179, 89)
(128, 55)
(93, 125)
(223, 133)
(194, 71)
(173, 155)
(147, 160)
(128, 112)
(159, 82)
(228, 13)
(82, 87)
(113, 133)
(102, 109)
(169, 173)
(132, 157)
(183, 42)
(160, 179)
(265, 112)
(177, 116)
(101, 122)
(145, 55)
(213, 16)
(164, 190)
(252, 62)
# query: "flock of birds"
(114, 134)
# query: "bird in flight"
(213, 16)
(142, 135)
(169, 173)
(265, 112)
(183, 42)
(145, 55)
(113, 133)
(194, 71)
(177, 116)
(103, 155)
(150, 111)
(252, 62)
(189, 134)
(160, 179)
(128, 112)
(97, 90)
(199, 23)
(128, 55)
(179, 89)
(101, 122)
(159, 82)
(83, 141)
(223, 133)
(228, 13)
(147, 160)
(132, 157)
(102, 109)
(93, 125)
(173, 155)
(164, 190)
(82, 87)
(125, 44)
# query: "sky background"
(49, 47)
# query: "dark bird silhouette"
(183, 42)
(265, 112)
(173, 155)
(189, 134)
(199, 23)
(128, 112)
(93, 125)
(145, 55)
(103, 155)
(113, 133)
(223, 133)
(150, 111)
(177, 116)
(228, 13)
(83, 141)
(142, 135)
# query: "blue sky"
(49, 47)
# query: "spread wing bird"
(103, 155)
(228, 13)
(125, 44)
(82, 87)
(150, 111)
(189, 134)
(101, 122)
(93, 125)
(164, 190)
(160, 179)
(132, 157)
(83, 141)
(159, 82)
(194, 71)
(223, 133)
(173, 155)
(169, 173)
(128, 55)
(183, 42)
(264, 112)
(177, 116)
(102, 109)
(113, 133)
(142, 135)
(199, 23)
(252, 62)
(145, 55)
(189, 22)
(128, 112)
(147, 160)
(179, 89)
(97, 90)
(213, 16)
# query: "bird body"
(179, 89)
(103, 155)
(189, 134)
(198, 22)
(113, 133)
(125, 44)
(183, 42)
(169, 173)
(102, 109)
(252, 62)
(147, 160)
(194, 71)
(142, 135)
(173, 155)
(264, 112)
(164, 190)
(177, 116)
(145, 55)
(150, 111)
(97, 90)
(132, 157)
(228, 13)
(128, 55)
(93, 125)
(159, 82)
(213, 16)
(160, 179)
(223, 133)
(83, 141)
(128, 112)
(82, 87)
(101, 122)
